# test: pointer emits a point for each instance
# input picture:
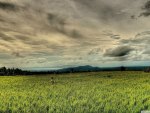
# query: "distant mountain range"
(79, 69)
(91, 68)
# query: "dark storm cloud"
(146, 9)
(119, 51)
(4, 37)
(56, 22)
(140, 43)
(8, 6)
(60, 24)
(76, 34)
(104, 10)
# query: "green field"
(101, 92)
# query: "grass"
(101, 92)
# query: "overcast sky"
(52, 34)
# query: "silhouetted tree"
(10, 71)
(3, 70)
(122, 68)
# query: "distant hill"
(89, 68)
(80, 69)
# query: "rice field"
(95, 92)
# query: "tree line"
(16, 71)
(10, 71)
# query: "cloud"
(142, 38)
(111, 35)
(146, 9)
(56, 22)
(6, 37)
(147, 52)
(8, 6)
(120, 51)
(105, 11)
(17, 54)
(95, 51)
(70, 32)
(140, 43)
(59, 24)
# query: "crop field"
(95, 92)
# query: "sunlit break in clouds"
(53, 34)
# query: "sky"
(53, 34)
